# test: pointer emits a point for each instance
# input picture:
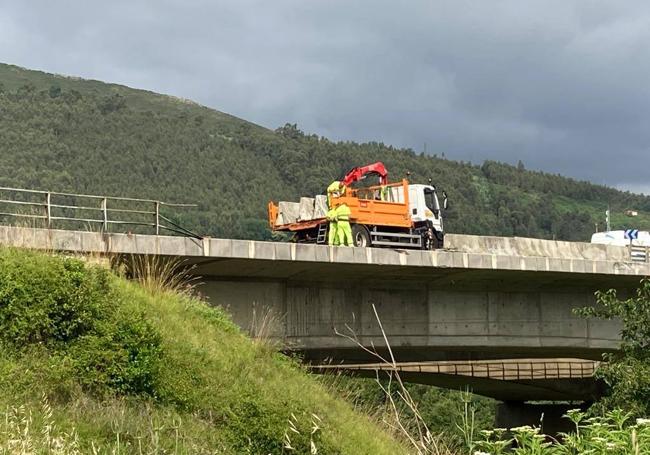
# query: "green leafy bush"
(70, 309)
(123, 355)
(48, 301)
(627, 371)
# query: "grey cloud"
(561, 85)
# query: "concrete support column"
(512, 414)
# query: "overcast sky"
(562, 85)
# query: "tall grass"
(263, 326)
(159, 273)
(22, 433)
(26, 431)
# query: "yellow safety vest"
(343, 213)
(383, 193)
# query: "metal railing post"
(157, 218)
(48, 209)
(105, 213)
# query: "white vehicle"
(617, 238)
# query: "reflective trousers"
(344, 233)
(332, 233)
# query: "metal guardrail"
(49, 209)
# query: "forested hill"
(73, 135)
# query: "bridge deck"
(462, 252)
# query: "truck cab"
(424, 215)
(425, 206)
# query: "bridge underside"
(451, 278)
(505, 380)
(428, 314)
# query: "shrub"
(49, 300)
(71, 309)
(122, 354)
(627, 371)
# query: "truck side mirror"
(445, 202)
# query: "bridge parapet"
(463, 252)
(529, 247)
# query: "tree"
(626, 372)
(290, 131)
(54, 91)
(111, 103)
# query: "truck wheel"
(432, 240)
(438, 240)
(360, 235)
(428, 241)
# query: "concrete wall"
(528, 247)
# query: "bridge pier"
(548, 416)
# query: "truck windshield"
(431, 200)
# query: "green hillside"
(67, 134)
(91, 363)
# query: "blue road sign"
(631, 234)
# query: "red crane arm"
(359, 173)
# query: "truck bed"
(364, 206)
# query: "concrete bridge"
(478, 300)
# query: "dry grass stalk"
(416, 431)
(20, 434)
(263, 325)
(161, 274)
(314, 431)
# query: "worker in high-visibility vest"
(332, 233)
(383, 193)
(344, 231)
(336, 189)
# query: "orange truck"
(398, 215)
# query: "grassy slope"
(13, 77)
(217, 391)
